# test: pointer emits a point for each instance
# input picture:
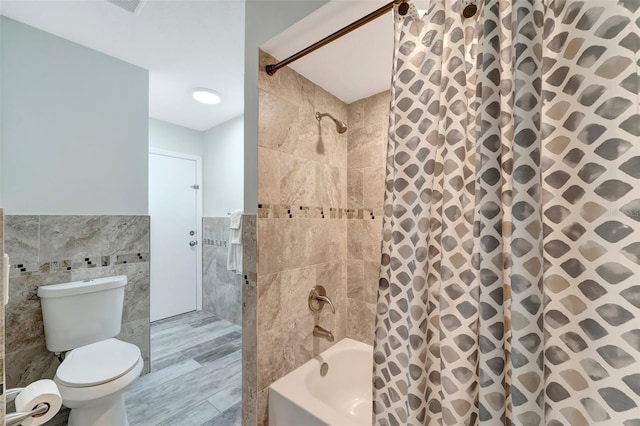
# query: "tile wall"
(54, 249)
(301, 225)
(249, 337)
(221, 289)
(2, 381)
(319, 220)
(366, 156)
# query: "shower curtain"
(509, 289)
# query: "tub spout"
(322, 332)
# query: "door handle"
(193, 243)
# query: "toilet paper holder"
(17, 418)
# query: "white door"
(174, 239)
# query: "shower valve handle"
(317, 299)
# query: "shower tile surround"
(318, 222)
(53, 249)
(368, 130)
(221, 289)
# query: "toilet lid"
(97, 363)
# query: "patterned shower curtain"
(510, 281)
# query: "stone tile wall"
(2, 381)
(320, 199)
(249, 306)
(301, 225)
(221, 289)
(367, 147)
(54, 249)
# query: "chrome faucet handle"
(319, 295)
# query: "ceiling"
(353, 67)
(183, 43)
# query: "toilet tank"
(81, 312)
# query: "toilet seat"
(97, 363)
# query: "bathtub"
(341, 398)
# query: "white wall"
(263, 20)
(172, 137)
(223, 168)
(75, 128)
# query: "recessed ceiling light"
(206, 96)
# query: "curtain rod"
(403, 9)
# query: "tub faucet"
(323, 332)
(319, 295)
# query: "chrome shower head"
(341, 127)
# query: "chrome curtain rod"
(403, 9)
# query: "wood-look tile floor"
(195, 378)
(196, 374)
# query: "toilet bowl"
(82, 319)
(92, 380)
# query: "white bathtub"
(341, 398)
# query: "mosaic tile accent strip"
(363, 213)
(276, 211)
(53, 266)
(216, 243)
(131, 258)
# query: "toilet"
(83, 317)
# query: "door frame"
(198, 160)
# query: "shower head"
(340, 126)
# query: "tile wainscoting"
(249, 331)
(54, 249)
(221, 289)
